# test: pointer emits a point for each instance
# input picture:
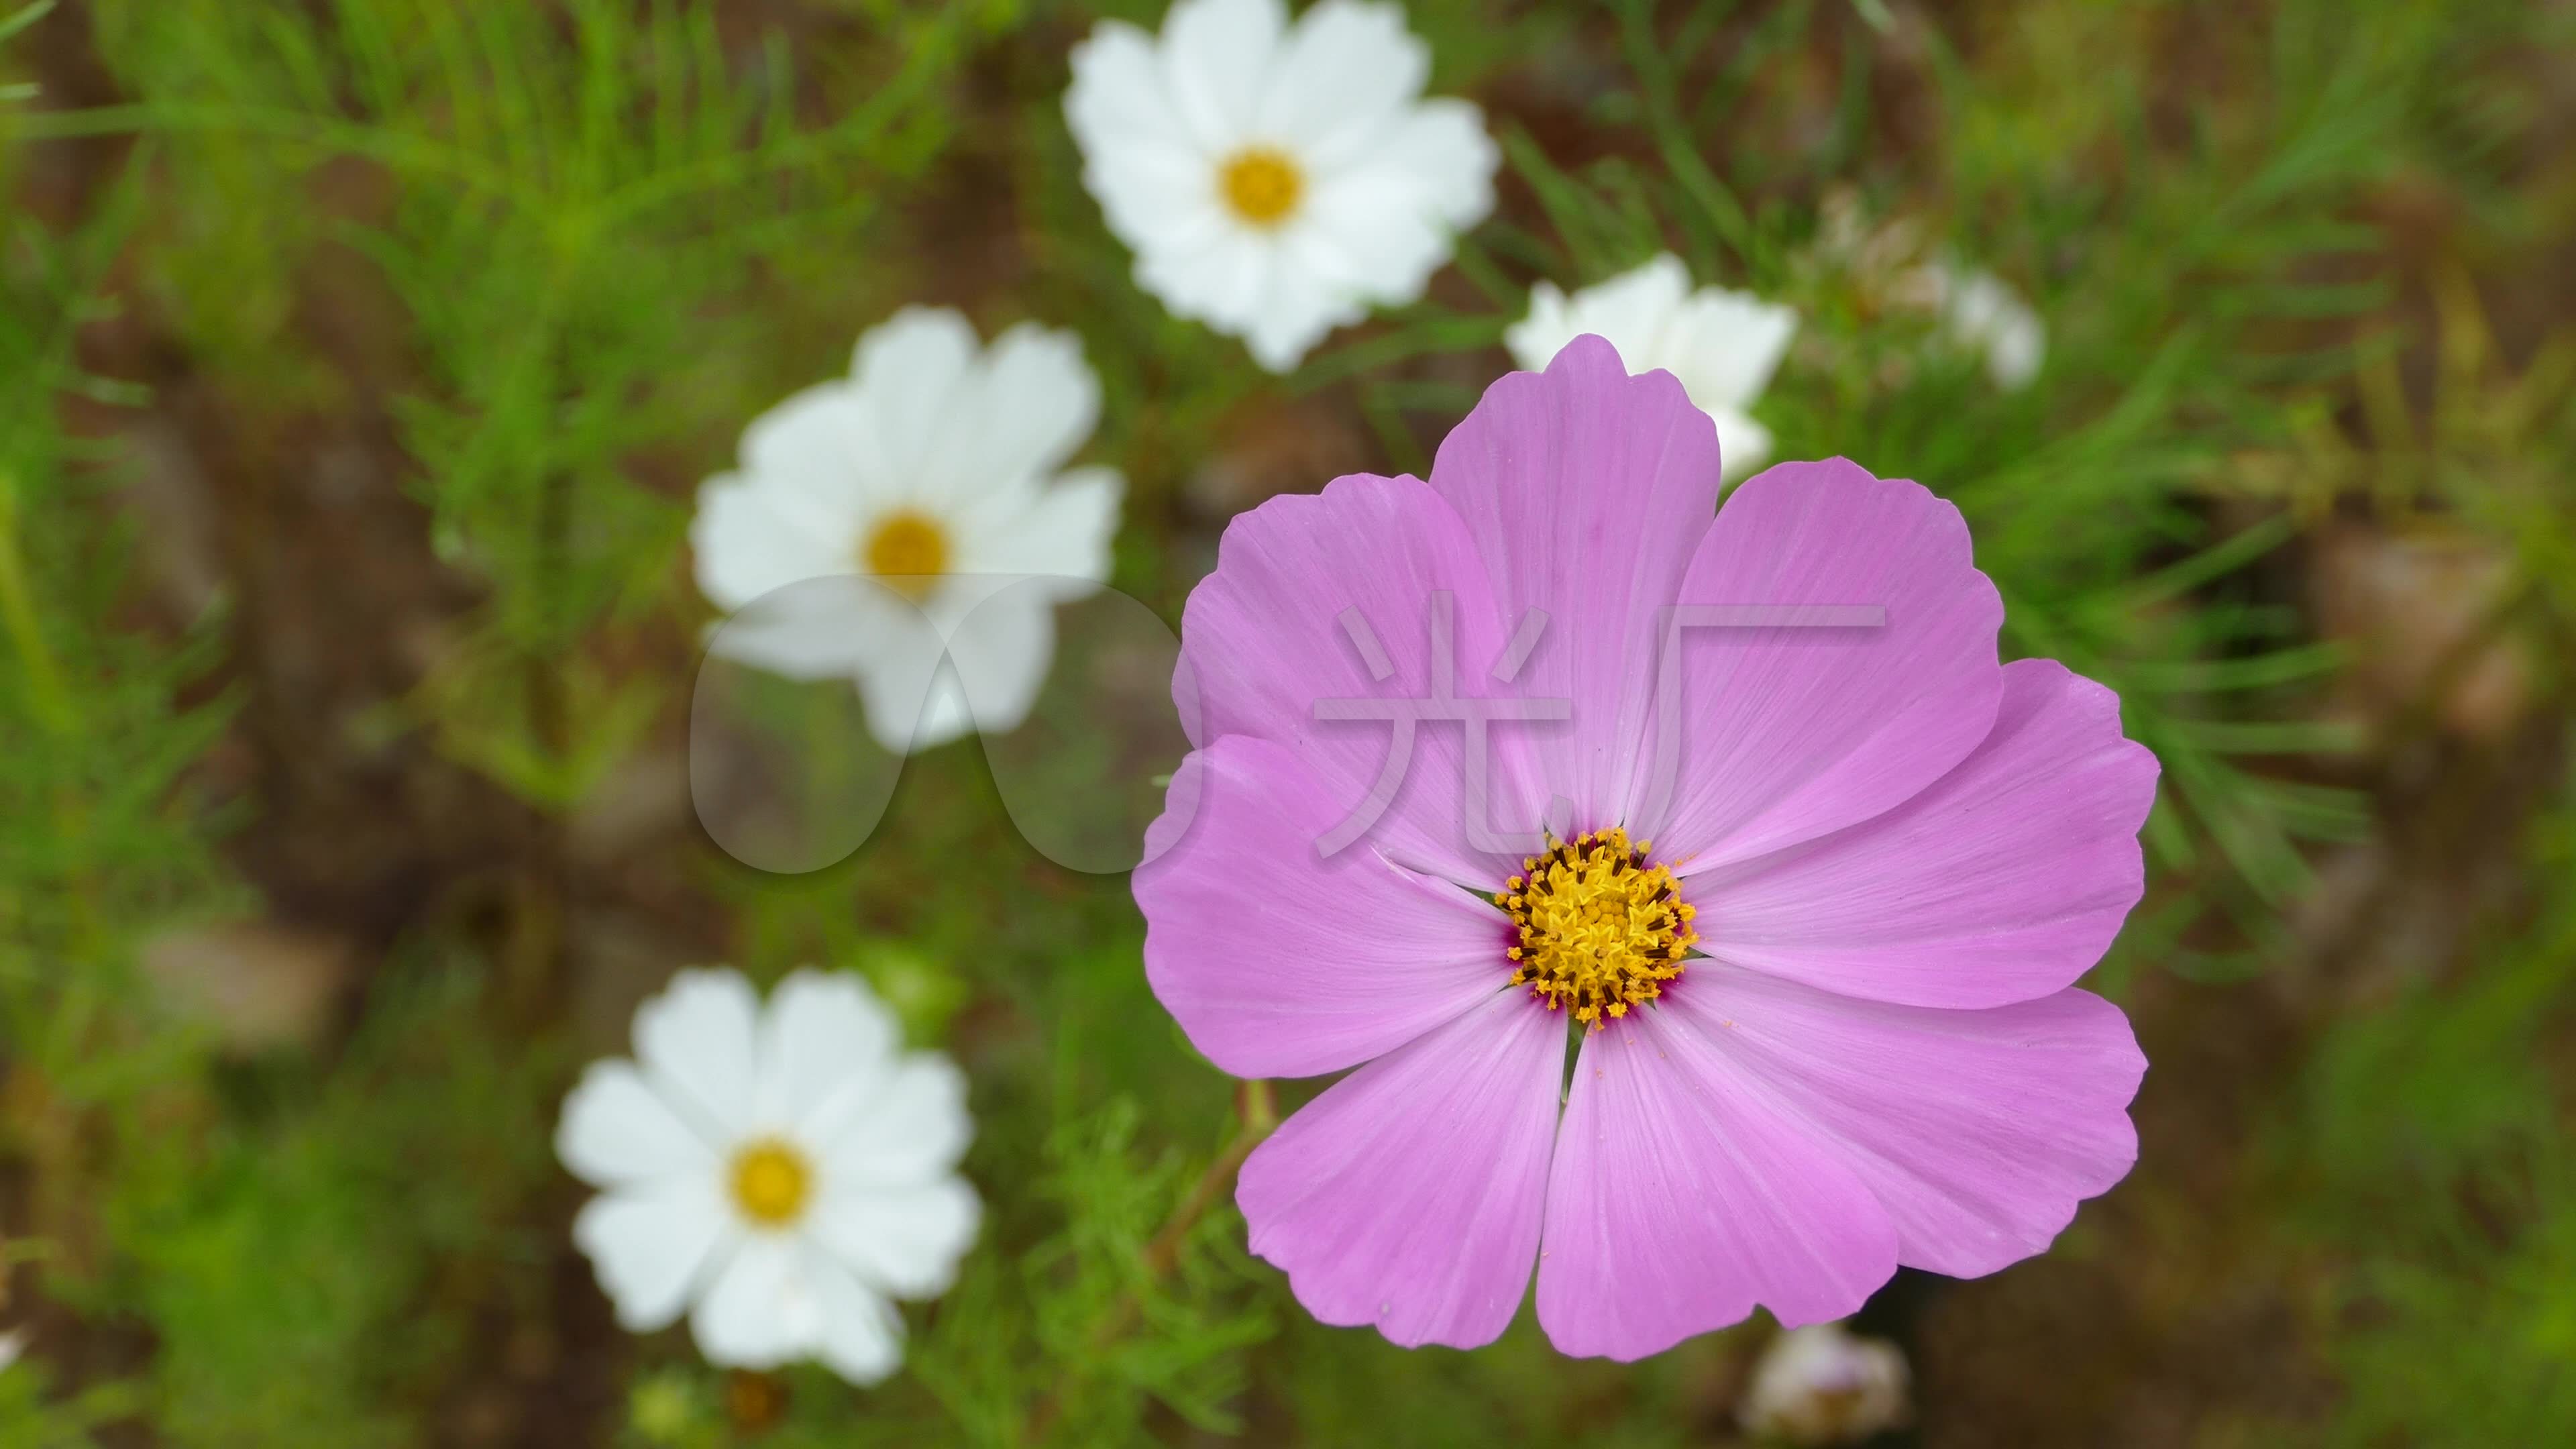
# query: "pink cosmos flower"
(1820, 971)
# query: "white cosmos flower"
(782, 1175)
(1723, 345)
(1277, 180)
(1821, 1385)
(935, 470)
(1981, 312)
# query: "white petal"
(897, 686)
(911, 1131)
(617, 1129)
(1347, 252)
(1155, 182)
(1742, 444)
(649, 1246)
(1722, 345)
(1001, 653)
(862, 1335)
(1247, 285)
(1535, 340)
(1818, 1384)
(1342, 73)
(1035, 401)
(1059, 532)
(747, 542)
(1118, 105)
(2016, 344)
(903, 1241)
(1629, 311)
(1297, 309)
(1394, 214)
(761, 1310)
(1160, 209)
(1637, 304)
(819, 456)
(1435, 160)
(1216, 56)
(695, 1040)
(910, 371)
(2013, 358)
(1725, 345)
(1118, 98)
(833, 626)
(822, 1033)
(945, 715)
(1219, 283)
(1980, 310)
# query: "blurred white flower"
(934, 469)
(12, 1344)
(1723, 345)
(788, 1172)
(1821, 1385)
(1981, 312)
(1276, 180)
(1887, 264)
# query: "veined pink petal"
(1586, 491)
(2004, 881)
(1978, 1131)
(1407, 1196)
(1682, 1195)
(1281, 963)
(1312, 595)
(1784, 733)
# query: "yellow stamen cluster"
(1597, 930)
(908, 552)
(771, 1182)
(1262, 184)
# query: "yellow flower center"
(1597, 930)
(1262, 184)
(908, 551)
(771, 1182)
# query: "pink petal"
(1978, 1131)
(1265, 639)
(1281, 963)
(1683, 1195)
(1408, 1195)
(2004, 881)
(1586, 491)
(1786, 733)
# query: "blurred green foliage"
(595, 236)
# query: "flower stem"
(1257, 1116)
